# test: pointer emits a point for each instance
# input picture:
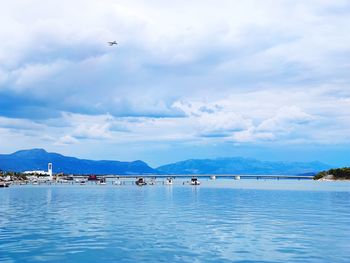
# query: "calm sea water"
(219, 221)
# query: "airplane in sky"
(111, 43)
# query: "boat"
(4, 184)
(140, 181)
(169, 181)
(117, 182)
(237, 177)
(152, 181)
(63, 181)
(194, 181)
(82, 182)
(212, 177)
(92, 178)
(102, 181)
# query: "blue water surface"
(218, 221)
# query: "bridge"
(204, 176)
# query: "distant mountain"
(37, 159)
(238, 165)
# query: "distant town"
(36, 177)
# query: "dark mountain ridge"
(239, 165)
(37, 159)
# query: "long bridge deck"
(218, 176)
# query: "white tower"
(49, 170)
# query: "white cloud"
(31, 75)
(66, 140)
(212, 119)
(224, 119)
(285, 120)
(238, 71)
(89, 127)
(19, 124)
(252, 136)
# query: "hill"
(37, 159)
(238, 165)
(334, 174)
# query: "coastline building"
(49, 170)
(36, 172)
(42, 172)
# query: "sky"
(188, 79)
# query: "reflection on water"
(215, 222)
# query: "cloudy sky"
(189, 79)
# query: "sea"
(222, 220)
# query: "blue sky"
(199, 79)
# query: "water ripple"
(174, 224)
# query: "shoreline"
(333, 180)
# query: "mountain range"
(239, 165)
(37, 159)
